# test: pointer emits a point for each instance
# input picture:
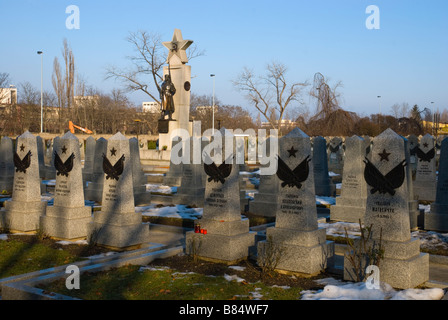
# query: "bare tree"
(272, 93)
(146, 72)
(4, 83)
(59, 88)
(28, 94)
(400, 110)
(69, 79)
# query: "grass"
(129, 283)
(18, 257)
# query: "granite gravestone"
(23, 211)
(138, 176)
(324, 186)
(68, 217)
(437, 218)
(173, 176)
(305, 248)
(413, 147)
(94, 189)
(335, 155)
(387, 212)
(50, 170)
(192, 187)
(87, 172)
(265, 201)
(41, 157)
(416, 215)
(425, 175)
(117, 225)
(6, 165)
(351, 205)
(227, 237)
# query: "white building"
(8, 95)
(205, 109)
(151, 107)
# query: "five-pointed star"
(177, 46)
(384, 155)
(113, 151)
(22, 147)
(292, 152)
(64, 149)
(425, 145)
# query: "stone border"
(21, 287)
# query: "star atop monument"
(177, 47)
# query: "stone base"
(142, 198)
(94, 192)
(416, 216)
(118, 230)
(347, 214)
(66, 223)
(436, 222)
(227, 249)
(194, 197)
(23, 216)
(305, 260)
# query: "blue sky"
(404, 61)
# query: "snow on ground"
(338, 290)
(325, 200)
(337, 229)
(64, 243)
(178, 211)
(431, 239)
(3, 236)
(160, 188)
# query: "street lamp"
(433, 116)
(213, 105)
(379, 125)
(41, 53)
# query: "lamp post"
(433, 117)
(41, 53)
(213, 105)
(379, 125)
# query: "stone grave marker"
(68, 217)
(226, 236)
(22, 212)
(94, 189)
(117, 225)
(87, 172)
(173, 176)
(387, 211)
(324, 186)
(351, 205)
(413, 147)
(425, 182)
(138, 176)
(437, 218)
(6, 165)
(335, 155)
(304, 245)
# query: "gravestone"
(87, 172)
(138, 176)
(50, 170)
(413, 147)
(173, 176)
(22, 212)
(227, 238)
(192, 187)
(351, 205)
(324, 186)
(304, 245)
(335, 155)
(425, 182)
(387, 211)
(41, 157)
(416, 215)
(94, 189)
(437, 218)
(265, 201)
(117, 225)
(6, 165)
(68, 217)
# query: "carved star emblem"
(177, 46)
(292, 152)
(113, 151)
(425, 145)
(384, 155)
(64, 149)
(22, 147)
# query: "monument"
(226, 237)
(117, 225)
(351, 205)
(6, 165)
(23, 211)
(138, 175)
(175, 90)
(335, 155)
(94, 188)
(68, 217)
(87, 172)
(437, 218)
(305, 248)
(324, 186)
(387, 211)
(425, 174)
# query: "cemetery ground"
(181, 277)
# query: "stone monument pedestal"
(23, 216)
(66, 223)
(348, 210)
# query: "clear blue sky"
(404, 61)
